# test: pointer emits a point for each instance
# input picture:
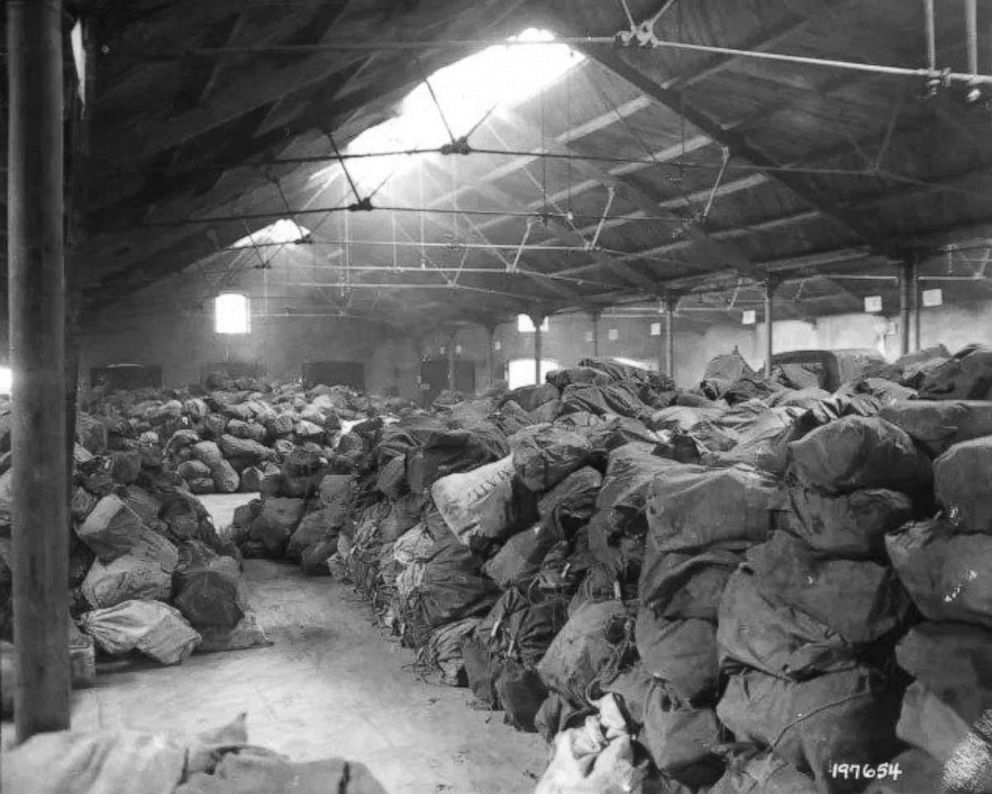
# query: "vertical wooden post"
(491, 354)
(35, 183)
(905, 305)
(537, 318)
(671, 303)
(770, 286)
(451, 360)
(917, 303)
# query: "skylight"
(501, 75)
(283, 231)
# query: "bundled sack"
(486, 504)
(334, 492)
(966, 376)
(519, 560)
(855, 453)
(938, 425)
(692, 508)
(247, 633)
(108, 762)
(444, 650)
(450, 587)
(760, 444)
(953, 661)
(860, 600)
(156, 629)
(681, 652)
(208, 587)
(811, 724)
(521, 693)
(403, 515)
(275, 523)
(111, 528)
(764, 773)
(522, 627)
(144, 572)
(620, 372)
(777, 639)
(593, 644)
(251, 769)
(948, 575)
(570, 504)
(927, 722)
(683, 418)
(594, 758)
(610, 434)
(849, 525)
(963, 484)
(414, 545)
(615, 398)
(391, 478)
(543, 455)
(674, 585)
(314, 528)
(569, 375)
(679, 737)
(530, 398)
(446, 452)
(629, 474)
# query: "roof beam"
(648, 204)
(618, 62)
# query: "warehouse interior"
(521, 396)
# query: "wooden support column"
(671, 303)
(491, 354)
(451, 360)
(594, 316)
(917, 303)
(906, 282)
(35, 185)
(770, 285)
(537, 318)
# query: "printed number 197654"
(865, 771)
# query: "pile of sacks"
(147, 570)
(686, 593)
(226, 439)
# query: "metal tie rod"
(574, 41)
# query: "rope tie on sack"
(814, 712)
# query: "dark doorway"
(434, 378)
(334, 373)
(126, 376)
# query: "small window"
(231, 313)
(520, 371)
(525, 325)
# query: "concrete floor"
(331, 685)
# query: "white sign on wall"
(873, 304)
(655, 329)
(933, 297)
(750, 317)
